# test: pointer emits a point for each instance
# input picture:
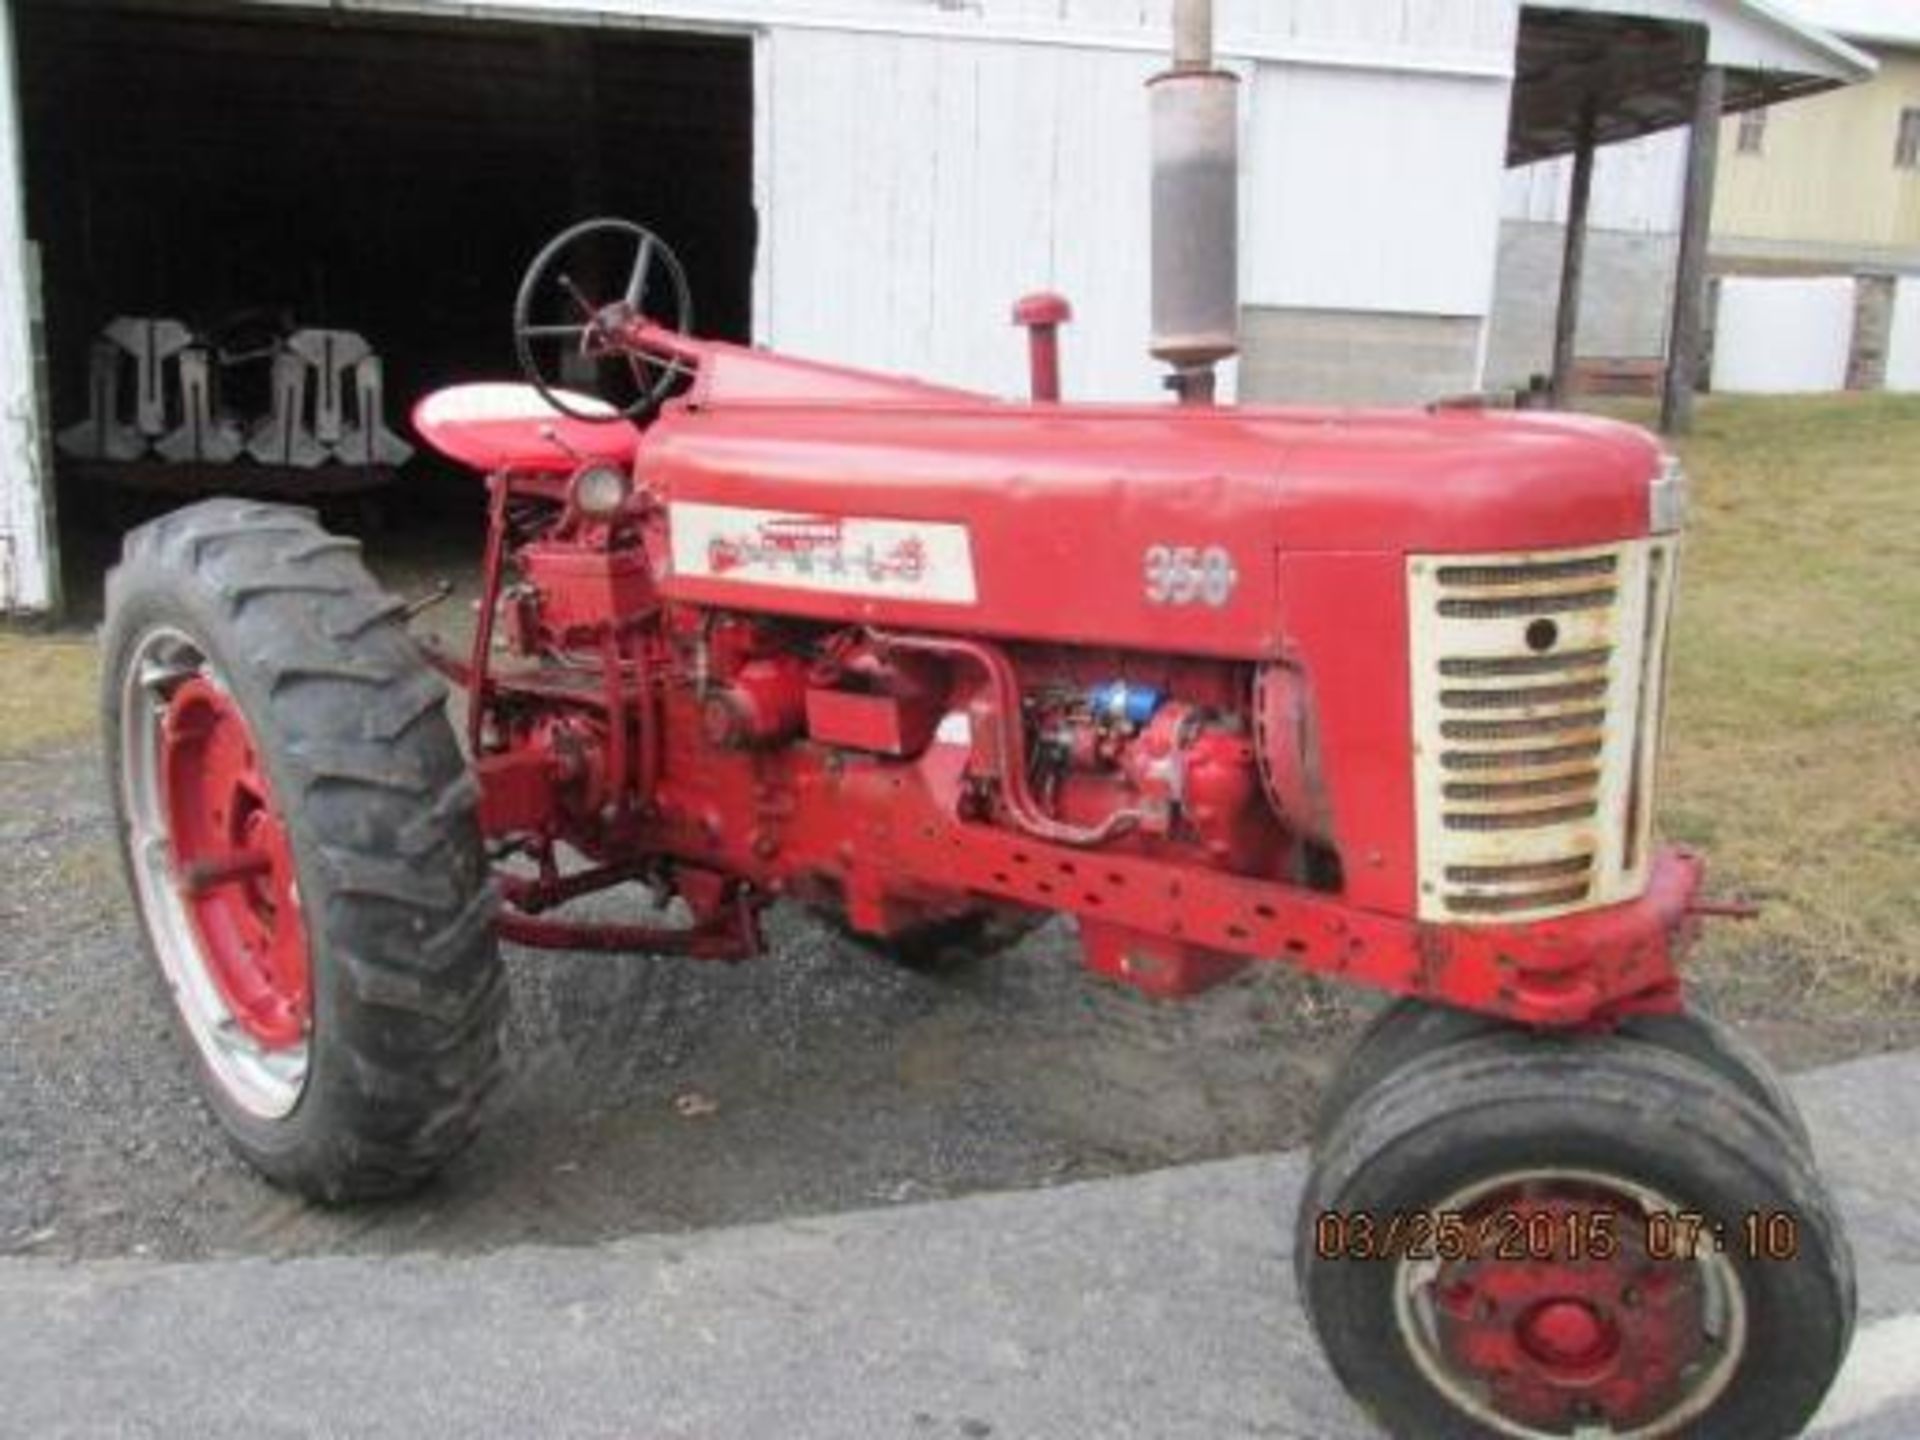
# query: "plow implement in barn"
(296, 412)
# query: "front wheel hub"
(1556, 1321)
(1566, 1334)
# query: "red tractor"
(1374, 695)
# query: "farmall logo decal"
(837, 554)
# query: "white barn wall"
(913, 189)
(1438, 35)
(1637, 187)
(1460, 37)
(1370, 235)
(920, 164)
(1374, 192)
(26, 581)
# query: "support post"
(29, 545)
(1696, 228)
(1573, 263)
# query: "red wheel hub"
(233, 866)
(1566, 1333)
(1575, 1332)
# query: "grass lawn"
(46, 689)
(1793, 739)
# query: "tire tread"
(368, 768)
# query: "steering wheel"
(631, 382)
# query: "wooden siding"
(1426, 33)
(914, 189)
(25, 581)
(1372, 192)
(911, 188)
(1636, 187)
(1825, 175)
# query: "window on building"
(1753, 131)
(1906, 152)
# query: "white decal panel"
(836, 554)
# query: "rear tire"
(367, 1071)
(1409, 1029)
(1715, 1345)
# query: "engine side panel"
(1136, 528)
(1085, 557)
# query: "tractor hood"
(1067, 521)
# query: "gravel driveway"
(644, 1095)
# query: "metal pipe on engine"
(1010, 740)
(1195, 116)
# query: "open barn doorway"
(249, 169)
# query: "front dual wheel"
(1584, 1238)
(300, 838)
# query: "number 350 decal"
(1189, 575)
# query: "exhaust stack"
(1194, 110)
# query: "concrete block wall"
(1624, 302)
(1628, 294)
(1351, 357)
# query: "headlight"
(1667, 499)
(600, 491)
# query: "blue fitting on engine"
(1117, 702)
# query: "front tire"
(300, 836)
(1408, 1029)
(1658, 1336)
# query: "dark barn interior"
(383, 174)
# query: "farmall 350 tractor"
(1374, 695)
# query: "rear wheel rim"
(214, 873)
(1572, 1345)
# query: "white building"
(872, 181)
(1820, 190)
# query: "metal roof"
(1631, 66)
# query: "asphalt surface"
(1157, 1305)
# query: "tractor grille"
(1536, 706)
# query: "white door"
(1783, 336)
(26, 577)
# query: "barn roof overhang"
(1889, 23)
(1629, 67)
